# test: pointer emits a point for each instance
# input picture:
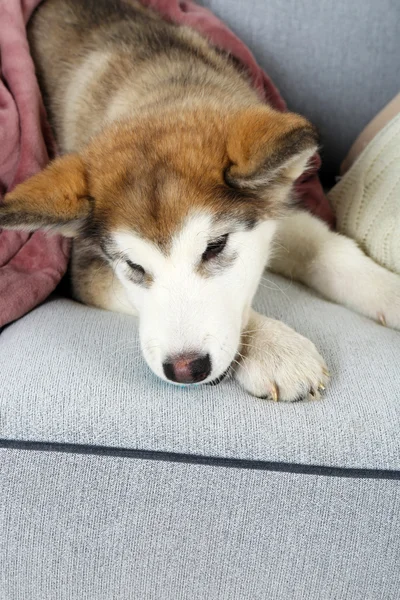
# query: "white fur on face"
(183, 311)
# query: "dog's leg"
(276, 362)
(333, 265)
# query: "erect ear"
(54, 199)
(267, 147)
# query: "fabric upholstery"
(334, 62)
(75, 374)
(99, 528)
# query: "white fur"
(183, 311)
(334, 266)
(279, 361)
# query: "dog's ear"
(266, 147)
(55, 199)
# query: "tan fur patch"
(55, 196)
(148, 175)
(163, 122)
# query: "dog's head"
(184, 209)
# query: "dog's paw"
(277, 363)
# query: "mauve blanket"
(31, 265)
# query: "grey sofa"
(117, 486)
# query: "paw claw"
(281, 364)
(274, 393)
(315, 395)
(381, 319)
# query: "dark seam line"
(195, 459)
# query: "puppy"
(176, 185)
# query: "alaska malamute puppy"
(176, 185)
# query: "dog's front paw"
(277, 363)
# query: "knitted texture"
(367, 199)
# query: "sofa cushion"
(322, 58)
(79, 527)
(74, 374)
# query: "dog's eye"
(215, 247)
(137, 271)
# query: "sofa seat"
(75, 375)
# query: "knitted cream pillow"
(367, 198)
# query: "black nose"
(187, 368)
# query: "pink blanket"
(31, 265)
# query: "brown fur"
(163, 125)
(56, 196)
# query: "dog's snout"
(189, 368)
